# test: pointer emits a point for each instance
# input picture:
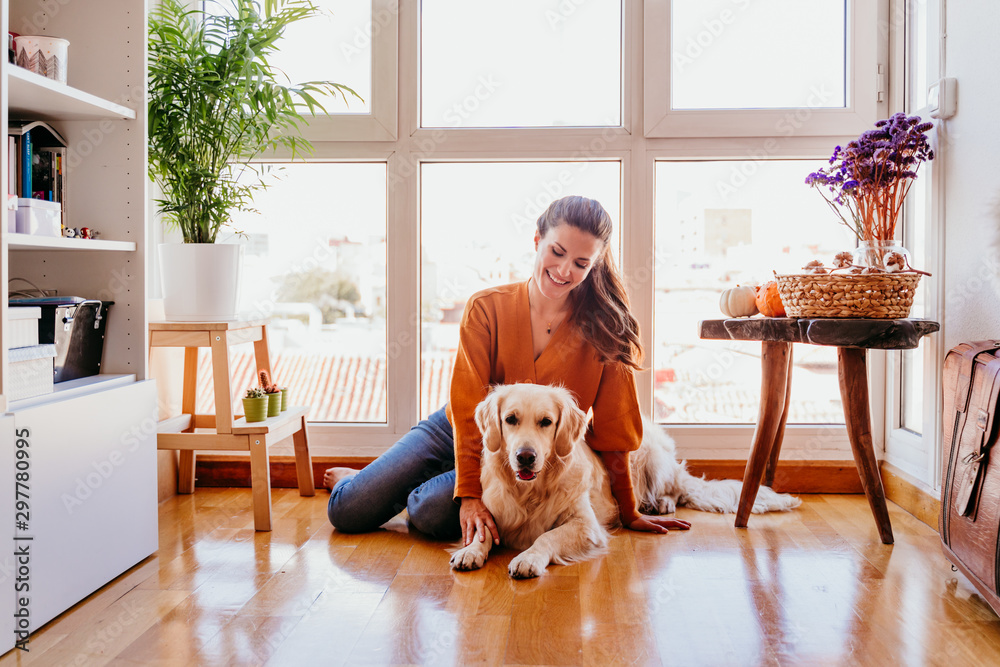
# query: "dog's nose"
(525, 457)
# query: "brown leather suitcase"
(970, 494)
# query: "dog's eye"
(545, 422)
(511, 419)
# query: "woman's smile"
(556, 280)
(565, 256)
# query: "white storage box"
(39, 217)
(22, 325)
(30, 371)
(42, 54)
(11, 213)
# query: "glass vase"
(872, 254)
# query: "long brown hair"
(600, 304)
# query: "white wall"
(971, 146)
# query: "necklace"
(548, 324)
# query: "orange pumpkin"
(769, 301)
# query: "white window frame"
(866, 86)
(918, 455)
(380, 124)
(743, 137)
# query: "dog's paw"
(468, 558)
(527, 565)
(665, 505)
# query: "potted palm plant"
(215, 104)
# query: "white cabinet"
(8, 566)
(92, 445)
(92, 491)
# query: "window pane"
(915, 240)
(917, 54)
(335, 46)
(719, 224)
(736, 54)
(315, 264)
(477, 225)
(520, 63)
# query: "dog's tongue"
(525, 475)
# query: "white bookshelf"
(35, 96)
(30, 242)
(111, 417)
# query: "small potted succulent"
(255, 404)
(273, 391)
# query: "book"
(54, 161)
(11, 165)
(42, 176)
(25, 168)
(40, 162)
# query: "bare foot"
(334, 475)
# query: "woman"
(569, 324)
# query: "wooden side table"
(189, 432)
(852, 338)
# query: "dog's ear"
(488, 420)
(572, 422)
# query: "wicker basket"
(876, 295)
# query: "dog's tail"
(661, 482)
(723, 495)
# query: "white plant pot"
(201, 281)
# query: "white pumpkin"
(739, 302)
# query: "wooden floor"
(812, 587)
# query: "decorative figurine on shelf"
(69, 233)
(85, 233)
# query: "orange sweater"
(495, 348)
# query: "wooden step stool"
(224, 430)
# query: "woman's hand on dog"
(475, 518)
(657, 524)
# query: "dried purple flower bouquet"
(870, 177)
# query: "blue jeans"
(416, 474)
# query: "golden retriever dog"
(549, 492)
